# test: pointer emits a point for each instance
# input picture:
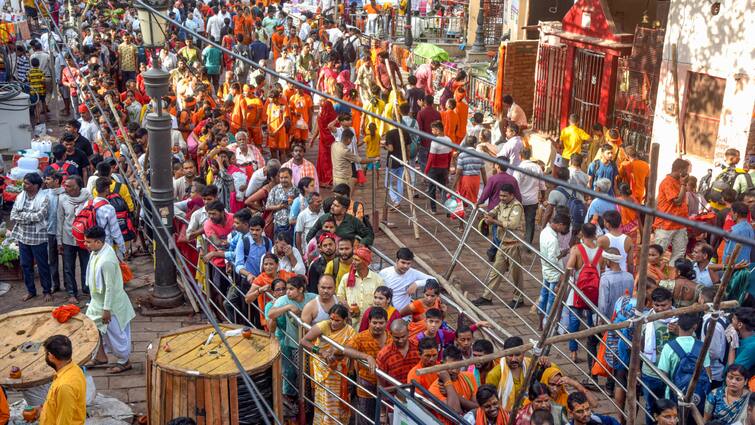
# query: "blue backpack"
(682, 374)
(577, 210)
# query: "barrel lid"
(186, 351)
(24, 333)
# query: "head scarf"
(344, 78)
(326, 235)
(365, 255)
(549, 373)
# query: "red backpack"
(65, 167)
(85, 220)
(589, 278)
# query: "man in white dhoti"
(110, 307)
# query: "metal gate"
(549, 83)
(588, 72)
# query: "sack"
(85, 220)
(577, 210)
(455, 207)
(600, 367)
(126, 272)
(681, 376)
(589, 278)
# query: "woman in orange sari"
(262, 284)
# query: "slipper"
(119, 368)
(94, 364)
(27, 297)
(389, 224)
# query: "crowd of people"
(280, 240)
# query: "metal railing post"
(464, 236)
(302, 360)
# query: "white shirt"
(511, 150)
(399, 283)
(214, 26)
(284, 65)
(550, 249)
(304, 31)
(285, 263)
(88, 129)
(107, 220)
(334, 34)
(305, 221)
(255, 182)
(529, 186)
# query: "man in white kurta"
(110, 307)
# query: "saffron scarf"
(481, 419)
(365, 255)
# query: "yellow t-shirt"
(343, 269)
(373, 145)
(572, 138)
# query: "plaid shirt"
(306, 169)
(30, 218)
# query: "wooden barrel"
(191, 374)
(21, 345)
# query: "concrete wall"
(722, 46)
(519, 73)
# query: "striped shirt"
(469, 165)
(366, 343)
(22, 68)
(391, 361)
(37, 81)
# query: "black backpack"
(122, 214)
(349, 51)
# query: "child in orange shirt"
(450, 121)
(276, 124)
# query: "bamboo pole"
(405, 175)
(554, 316)
(711, 326)
(557, 339)
(140, 173)
(634, 359)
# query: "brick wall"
(519, 73)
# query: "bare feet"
(73, 300)
(48, 298)
(27, 297)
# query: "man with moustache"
(182, 185)
(508, 375)
(340, 266)
(66, 399)
(326, 244)
(317, 310)
(365, 346)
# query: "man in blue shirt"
(580, 411)
(248, 247)
(603, 168)
(258, 50)
(743, 229)
(743, 321)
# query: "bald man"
(317, 310)
(401, 355)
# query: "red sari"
(324, 163)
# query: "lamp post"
(479, 39)
(408, 38)
(166, 293)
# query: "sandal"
(94, 364)
(27, 297)
(119, 368)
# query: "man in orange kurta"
(254, 115)
(300, 107)
(450, 121)
(276, 119)
(276, 42)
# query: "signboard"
(410, 405)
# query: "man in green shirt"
(347, 226)
(211, 58)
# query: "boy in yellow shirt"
(372, 151)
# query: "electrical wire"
(651, 212)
